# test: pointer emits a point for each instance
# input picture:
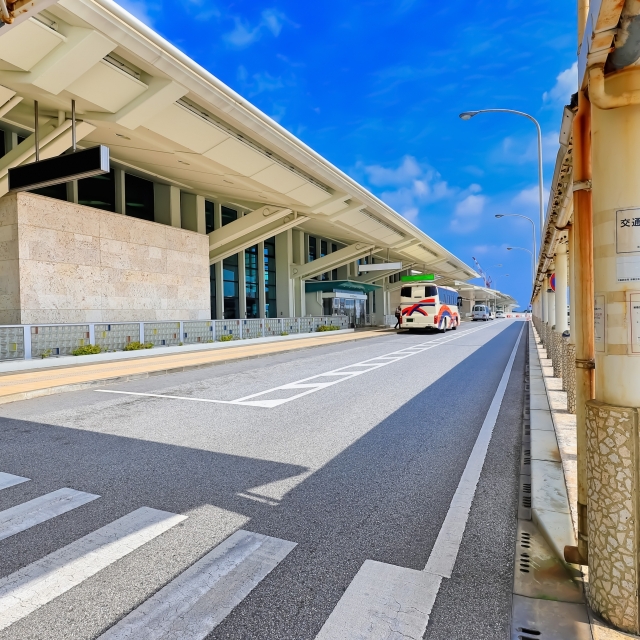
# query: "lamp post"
(533, 233)
(467, 115)
(533, 263)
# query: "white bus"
(427, 306)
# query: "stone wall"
(62, 262)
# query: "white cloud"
(410, 185)
(468, 212)
(244, 34)
(521, 151)
(566, 85)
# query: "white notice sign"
(599, 322)
(628, 245)
(634, 299)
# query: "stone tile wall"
(63, 263)
(612, 524)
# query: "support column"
(219, 291)
(242, 285)
(262, 309)
(583, 277)
(613, 461)
(121, 202)
(167, 204)
(560, 303)
(569, 379)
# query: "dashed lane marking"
(315, 383)
(8, 480)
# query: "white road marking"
(314, 383)
(384, 601)
(7, 480)
(28, 514)
(198, 600)
(38, 583)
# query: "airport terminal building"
(210, 210)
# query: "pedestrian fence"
(18, 342)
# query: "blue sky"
(376, 87)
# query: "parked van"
(481, 312)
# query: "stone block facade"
(62, 263)
(612, 489)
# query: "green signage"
(418, 278)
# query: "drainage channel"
(546, 591)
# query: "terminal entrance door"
(353, 309)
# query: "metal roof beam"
(331, 260)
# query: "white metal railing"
(19, 342)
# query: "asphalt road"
(361, 470)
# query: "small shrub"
(327, 327)
(45, 354)
(87, 350)
(135, 346)
(284, 333)
(181, 344)
(148, 345)
(226, 338)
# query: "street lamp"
(533, 230)
(467, 115)
(533, 264)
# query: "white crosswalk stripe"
(33, 586)
(29, 514)
(193, 604)
(8, 480)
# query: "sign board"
(421, 277)
(384, 266)
(628, 245)
(71, 166)
(599, 322)
(552, 282)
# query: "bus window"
(430, 291)
(405, 292)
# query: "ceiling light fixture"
(122, 136)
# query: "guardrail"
(18, 342)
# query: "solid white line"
(198, 600)
(370, 364)
(38, 583)
(445, 550)
(384, 601)
(7, 480)
(33, 512)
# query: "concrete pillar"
(284, 284)
(613, 461)
(543, 299)
(192, 212)
(561, 318)
(219, 291)
(166, 204)
(121, 201)
(262, 309)
(551, 307)
(242, 285)
(569, 378)
(72, 191)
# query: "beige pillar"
(561, 319)
(569, 378)
(166, 204)
(613, 462)
(192, 212)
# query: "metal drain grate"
(526, 502)
(526, 487)
(525, 539)
(525, 562)
(530, 633)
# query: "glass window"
(323, 252)
(208, 216)
(228, 215)
(312, 249)
(334, 274)
(212, 290)
(21, 139)
(430, 291)
(3, 138)
(251, 281)
(405, 292)
(57, 191)
(138, 197)
(98, 191)
(231, 289)
(271, 310)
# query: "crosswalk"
(189, 607)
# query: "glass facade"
(228, 215)
(230, 286)
(56, 191)
(251, 281)
(99, 191)
(312, 249)
(334, 272)
(324, 248)
(212, 290)
(208, 216)
(139, 197)
(271, 310)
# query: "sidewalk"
(554, 469)
(30, 379)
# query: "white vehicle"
(482, 312)
(500, 314)
(426, 306)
